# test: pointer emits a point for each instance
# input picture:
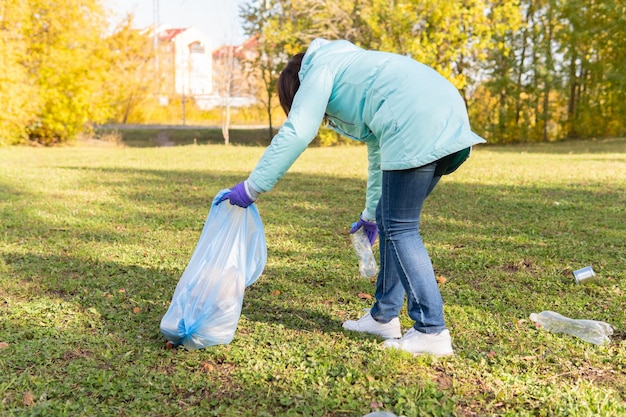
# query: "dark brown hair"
(289, 82)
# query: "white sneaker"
(418, 343)
(367, 324)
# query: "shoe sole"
(438, 355)
(372, 334)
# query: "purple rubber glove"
(238, 196)
(371, 230)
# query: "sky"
(218, 19)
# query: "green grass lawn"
(93, 240)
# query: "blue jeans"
(405, 267)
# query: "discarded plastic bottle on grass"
(363, 249)
(592, 331)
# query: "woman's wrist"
(252, 193)
(367, 216)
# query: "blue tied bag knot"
(229, 256)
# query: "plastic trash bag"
(230, 255)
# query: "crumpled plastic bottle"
(368, 267)
(596, 332)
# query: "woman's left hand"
(371, 230)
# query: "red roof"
(169, 34)
(237, 51)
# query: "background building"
(233, 75)
(185, 64)
(190, 68)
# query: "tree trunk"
(226, 123)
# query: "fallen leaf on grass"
(364, 296)
(29, 399)
(276, 293)
(375, 405)
(121, 290)
(4, 345)
(207, 366)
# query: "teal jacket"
(406, 113)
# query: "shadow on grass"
(506, 249)
(111, 289)
(147, 136)
(565, 147)
(150, 136)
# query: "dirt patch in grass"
(77, 353)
